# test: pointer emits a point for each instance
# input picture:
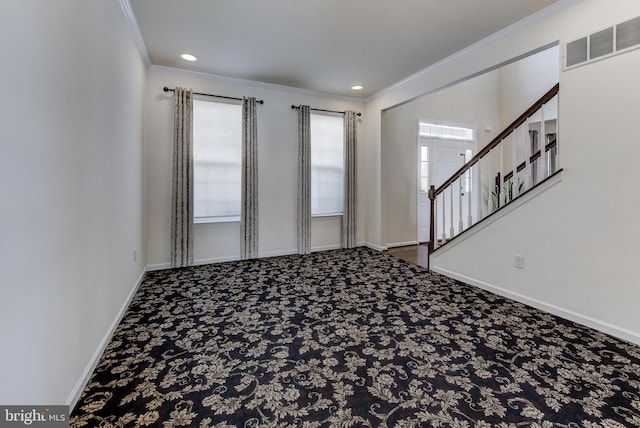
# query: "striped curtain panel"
(304, 180)
(182, 197)
(350, 174)
(249, 209)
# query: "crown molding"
(474, 75)
(254, 83)
(505, 32)
(127, 10)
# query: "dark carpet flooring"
(350, 338)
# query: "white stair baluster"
(543, 143)
(501, 195)
(527, 156)
(558, 132)
(444, 218)
(460, 225)
(434, 238)
(514, 166)
(491, 204)
(469, 193)
(451, 231)
(478, 182)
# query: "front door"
(441, 158)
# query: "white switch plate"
(518, 261)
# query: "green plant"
(508, 189)
(492, 197)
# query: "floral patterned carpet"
(350, 338)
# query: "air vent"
(628, 34)
(611, 41)
(601, 43)
(577, 51)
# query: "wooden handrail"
(508, 130)
(433, 192)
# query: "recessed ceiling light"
(188, 57)
(357, 87)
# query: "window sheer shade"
(217, 152)
(327, 164)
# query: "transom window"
(435, 130)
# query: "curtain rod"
(328, 111)
(211, 95)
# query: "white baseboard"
(208, 261)
(605, 327)
(158, 266)
(216, 260)
(401, 244)
(280, 253)
(289, 252)
(373, 246)
(325, 248)
(315, 249)
(95, 358)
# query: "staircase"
(523, 156)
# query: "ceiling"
(320, 45)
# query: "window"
(424, 169)
(327, 164)
(217, 159)
(435, 130)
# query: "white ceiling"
(320, 45)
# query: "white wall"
(72, 189)
(277, 169)
(579, 238)
(523, 82)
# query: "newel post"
(432, 219)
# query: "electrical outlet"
(518, 261)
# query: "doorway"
(443, 147)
